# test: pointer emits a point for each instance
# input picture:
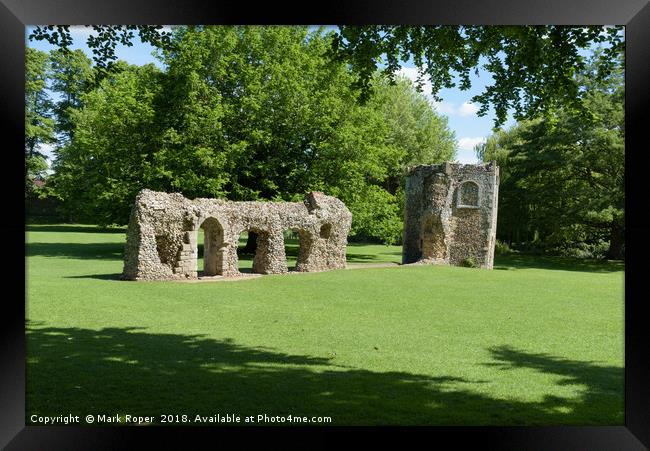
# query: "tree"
(421, 135)
(289, 121)
(277, 101)
(71, 75)
(414, 134)
(110, 157)
(562, 174)
(104, 40)
(39, 125)
(248, 113)
(533, 67)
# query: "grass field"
(536, 341)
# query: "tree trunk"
(616, 242)
(251, 244)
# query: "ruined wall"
(163, 230)
(450, 214)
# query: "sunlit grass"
(535, 341)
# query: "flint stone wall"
(450, 214)
(163, 228)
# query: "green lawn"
(537, 341)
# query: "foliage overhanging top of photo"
(533, 67)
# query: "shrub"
(502, 248)
(596, 250)
(469, 262)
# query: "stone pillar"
(270, 257)
(212, 248)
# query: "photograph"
(235, 226)
(323, 225)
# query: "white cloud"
(409, 72)
(47, 150)
(469, 143)
(81, 31)
(467, 109)
(412, 74)
(449, 108)
(444, 107)
(466, 157)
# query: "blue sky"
(469, 128)
(456, 105)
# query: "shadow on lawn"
(353, 257)
(362, 258)
(92, 251)
(604, 384)
(73, 228)
(111, 276)
(127, 370)
(523, 261)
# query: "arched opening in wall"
(468, 195)
(256, 261)
(213, 247)
(326, 231)
(245, 254)
(292, 247)
(167, 250)
(433, 239)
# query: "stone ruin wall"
(163, 229)
(450, 214)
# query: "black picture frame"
(634, 14)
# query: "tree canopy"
(248, 113)
(562, 175)
(245, 113)
(39, 124)
(71, 74)
(533, 67)
(103, 40)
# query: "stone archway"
(164, 229)
(304, 250)
(290, 236)
(213, 247)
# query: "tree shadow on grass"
(73, 228)
(128, 370)
(113, 276)
(523, 261)
(91, 251)
(605, 385)
(363, 258)
(357, 257)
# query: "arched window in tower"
(468, 195)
